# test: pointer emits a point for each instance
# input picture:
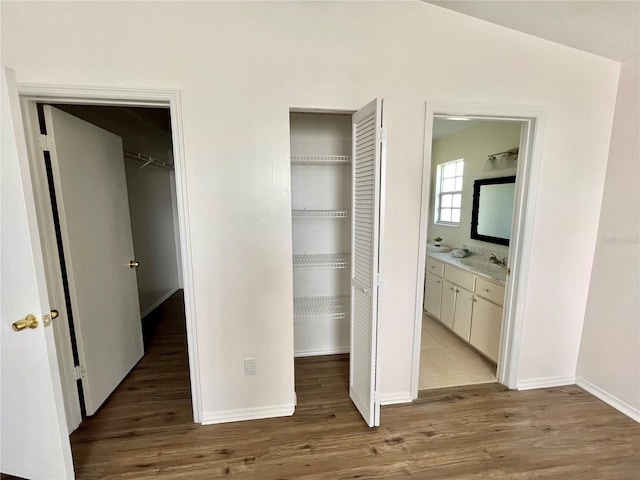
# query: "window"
(449, 192)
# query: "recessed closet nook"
(337, 165)
(321, 146)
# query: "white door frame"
(30, 94)
(529, 161)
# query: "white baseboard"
(395, 398)
(239, 415)
(320, 351)
(158, 302)
(544, 382)
(620, 405)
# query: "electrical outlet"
(249, 366)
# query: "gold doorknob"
(134, 264)
(30, 321)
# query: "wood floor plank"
(145, 430)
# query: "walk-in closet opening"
(473, 185)
(321, 186)
(116, 266)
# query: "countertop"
(498, 276)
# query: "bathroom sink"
(482, 265)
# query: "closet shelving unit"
(320, 213)
(334, 306)
(320, 159)
(321, 201)
(320, 260)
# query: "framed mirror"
(493, 209)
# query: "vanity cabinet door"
(448, 303)
(486, 325)
(433, 295)
(462, 313)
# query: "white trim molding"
(395, 398)
(611, 400)
(241, 414)
(165, 98)
(321, 351)
(545, 382)
(159, 302)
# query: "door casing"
(30, 95)
(529, 160)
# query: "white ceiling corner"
(610, 29)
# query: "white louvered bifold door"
(367, 167)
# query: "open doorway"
(485, 282)
(474, 167)
(149, 166)
(151, 146)
(337, 175)
(116, 236)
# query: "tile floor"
(447, 361)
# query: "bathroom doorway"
(476, 183)
(474, 166)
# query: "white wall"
(240, 66)
(609, 360)
(473, 144)
(152, 227)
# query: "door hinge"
(378, 279)
(382, 134)
(79, 372)
(43, 143)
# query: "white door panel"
(365, 246)
(33, 429)
(91, 191)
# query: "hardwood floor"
(145, 430)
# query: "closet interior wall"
(321, 203)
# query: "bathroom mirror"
(492, 209)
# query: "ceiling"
(610, 29)
(443, 127)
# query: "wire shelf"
(320, 160)
(335, 306)
(320, 260)
(320, 213)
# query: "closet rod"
(146, 160)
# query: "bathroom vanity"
(467, 296)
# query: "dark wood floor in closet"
(145, 430)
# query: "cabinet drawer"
(435, 266)
(489, 290)
(459, 277)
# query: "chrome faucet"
(494, 259)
